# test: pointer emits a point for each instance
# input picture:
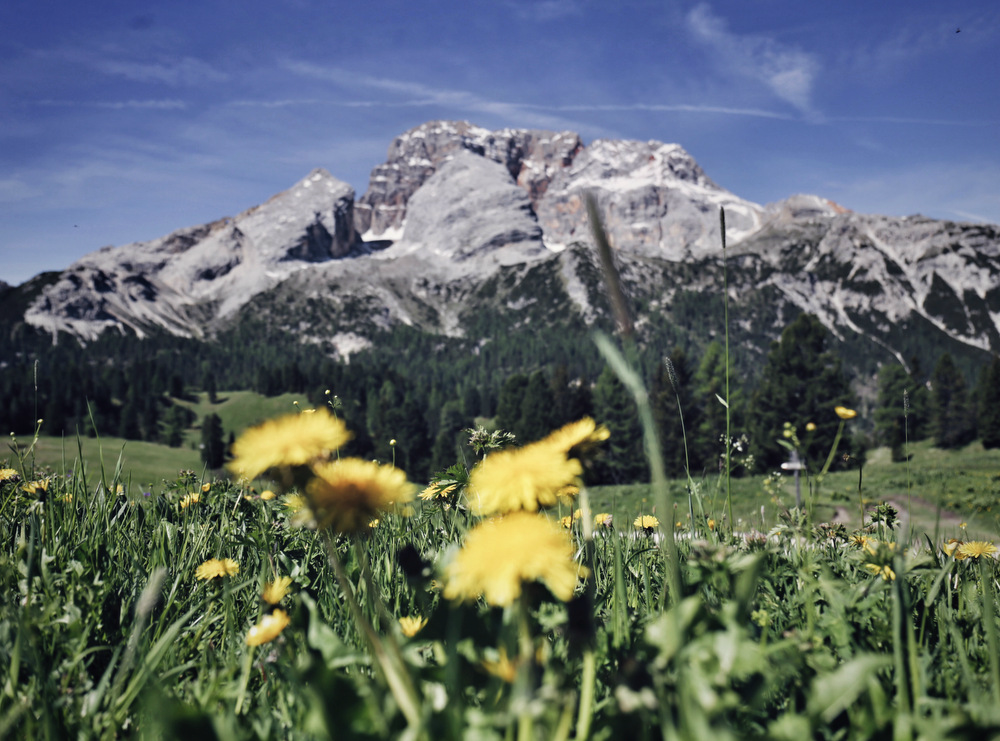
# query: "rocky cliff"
(462, 223)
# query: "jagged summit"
(460, 219)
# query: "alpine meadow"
(535, 439)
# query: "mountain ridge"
(456, 205)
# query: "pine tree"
(950, 422)
(509, 403)
(706, 436)
(802, 383)
(212, 446)
(895, 388)
(537, 407)
(624, 459)
(989, 405)
(670, 397)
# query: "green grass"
(152, 463)
(144, 464)
(965, 483)
(239, 409)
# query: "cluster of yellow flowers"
(517, 544)
(971, 549)
(345, 495)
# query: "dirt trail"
(922, 508)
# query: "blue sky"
(122, 121)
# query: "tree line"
(124, 386)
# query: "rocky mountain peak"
(531, 157)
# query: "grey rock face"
(654, 198)
(186, 280)
(531, 157)
(471, 207)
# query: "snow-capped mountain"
(461, 220)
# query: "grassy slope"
(144, 463)
(965, 482)
(150, 463)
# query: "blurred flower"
(602, 519)
(411, 625)
(214, 567)
(885, 571)
(535, 475)
(568, 520)
(269, 627)
(861, 541)
(502, 668)
(205, 487)
(578, 439)
(976, 548)
(9, 475)
(291, 440)
(267, 495)
(192, 498)
(501, 554)
(294, 502)
(810, 427)
(647, 523)
(374, 523)
(275, 591)
(711, 524)
(845, 413)
(347, 494)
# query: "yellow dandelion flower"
(216, 567)
(9, 475)
(567, 521)
(502, 668)
(39, 486)
(567, 493)
(291, 440)
(845, 413)
(976, 548)
(602, 519)
(348, 493)
(192, 498)
(275, 591)
(205, 487)
(578, 439)
(951, 548)
(269, 627)
(646, 522)
(501, 554)
(437, 490)
(521, 479)
(412, 625)
(267, 495)
(885, 572)
(711, 524)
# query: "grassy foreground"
(206, 608)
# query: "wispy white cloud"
(417, 94)
(787, 71)
(171, 104)
(519, 113)
(185, 71)
(542, 11)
